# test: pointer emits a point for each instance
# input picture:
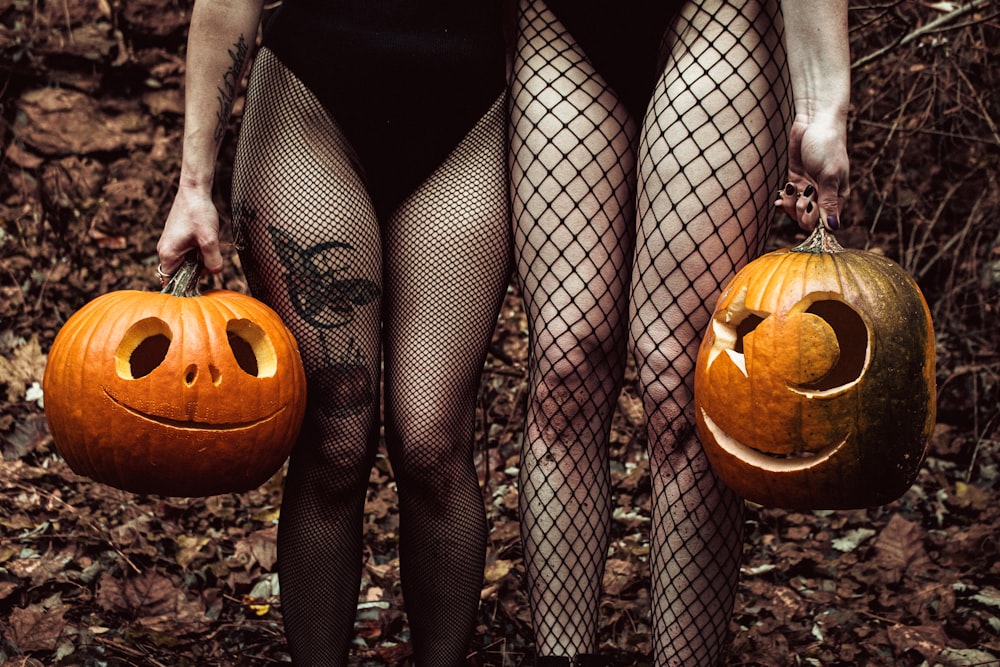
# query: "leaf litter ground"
(91, 99)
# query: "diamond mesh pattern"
(702, 170)
(418, 295)
(574, 186)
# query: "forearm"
(819, 59)
(220, 40)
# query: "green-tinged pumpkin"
(175, 393)
(815, 381)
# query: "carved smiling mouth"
(766, 461)
(191, 424)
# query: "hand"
(192, 224)
(818, 169)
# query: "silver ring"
(164, 277)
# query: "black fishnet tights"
(573, 174)
(709, 155)
(425, 288)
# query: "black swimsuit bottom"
(622, 39)
(405, 79)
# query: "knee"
(333, 458)
(580, 366)
(581, 351)
(573, 392)
(430, 445)
(665, 370)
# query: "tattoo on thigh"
(324, 294)
(344, 385)
(319, 283)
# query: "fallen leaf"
(146, 594)
(898, 548)
(927, 640)
(264, 546)
(38, 626)
(619, 575)
(497, 570)
(25, 366)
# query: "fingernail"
(789, 189)
(832, 222)
(809, 191)
(809, 207)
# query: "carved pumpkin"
(175, 393)
(815, 381)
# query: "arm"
(221, 35)
(819, 62)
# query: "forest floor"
(90, 126)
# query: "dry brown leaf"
(58, 122)
(37, 627)
(146, 594)
(927, 640)
(898, 548)
(25, 366)
(497, 570)
(264, 546)
(619, 575)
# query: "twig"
(921, 31)
(955, 239)
(52, 497)
(979, 103)
(894, 127)
(975, 452)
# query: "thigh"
(308, 236)
(711, 155)
(447, 269)
(573, 179)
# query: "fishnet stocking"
(573, 172)
(313, 248)
(710, 157)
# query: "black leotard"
(623, 41)
(404, 79)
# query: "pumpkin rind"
(774, 430)
(194, 424)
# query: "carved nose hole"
(216, 374)
(191, 375)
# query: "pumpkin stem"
(821, 240)
(184, 282)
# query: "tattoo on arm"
(230, 85)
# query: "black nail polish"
(832, 222)
(809, 207)
(809, 191)
(789, 189)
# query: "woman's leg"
(310, 246)
(447, 267)
(711, 157)
(573, 174)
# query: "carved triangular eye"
(251, 347)
(142, 349)
(730, 337)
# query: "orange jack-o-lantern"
(175, 393)
(815, 382)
